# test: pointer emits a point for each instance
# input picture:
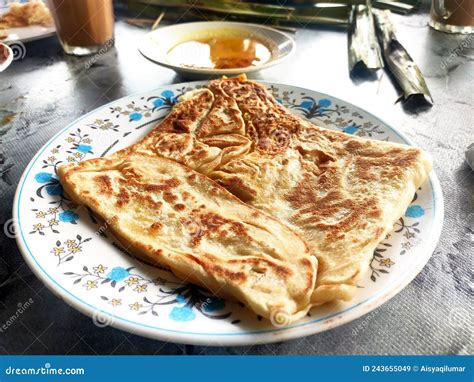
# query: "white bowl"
(158, 43)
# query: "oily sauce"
(226, 51)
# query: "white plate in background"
(28, 33)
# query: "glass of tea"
(83, 26)
(452, 16)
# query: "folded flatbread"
(340, 192)
(172, 215)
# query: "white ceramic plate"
(5, 61)
(83, 265)
(29, 33)
(25, 34)
(156, 45)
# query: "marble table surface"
(47, 90)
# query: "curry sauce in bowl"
(221, 51)
(206, 49)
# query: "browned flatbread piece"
(171, 215)
(33, 12)
(340, 192)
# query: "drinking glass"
(83, 26)
(452, 16)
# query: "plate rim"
(47, 34)
(28, 39)
(9, 58)
(218, 72)
(231, 339)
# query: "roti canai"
(339, 193)
(174, 216)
